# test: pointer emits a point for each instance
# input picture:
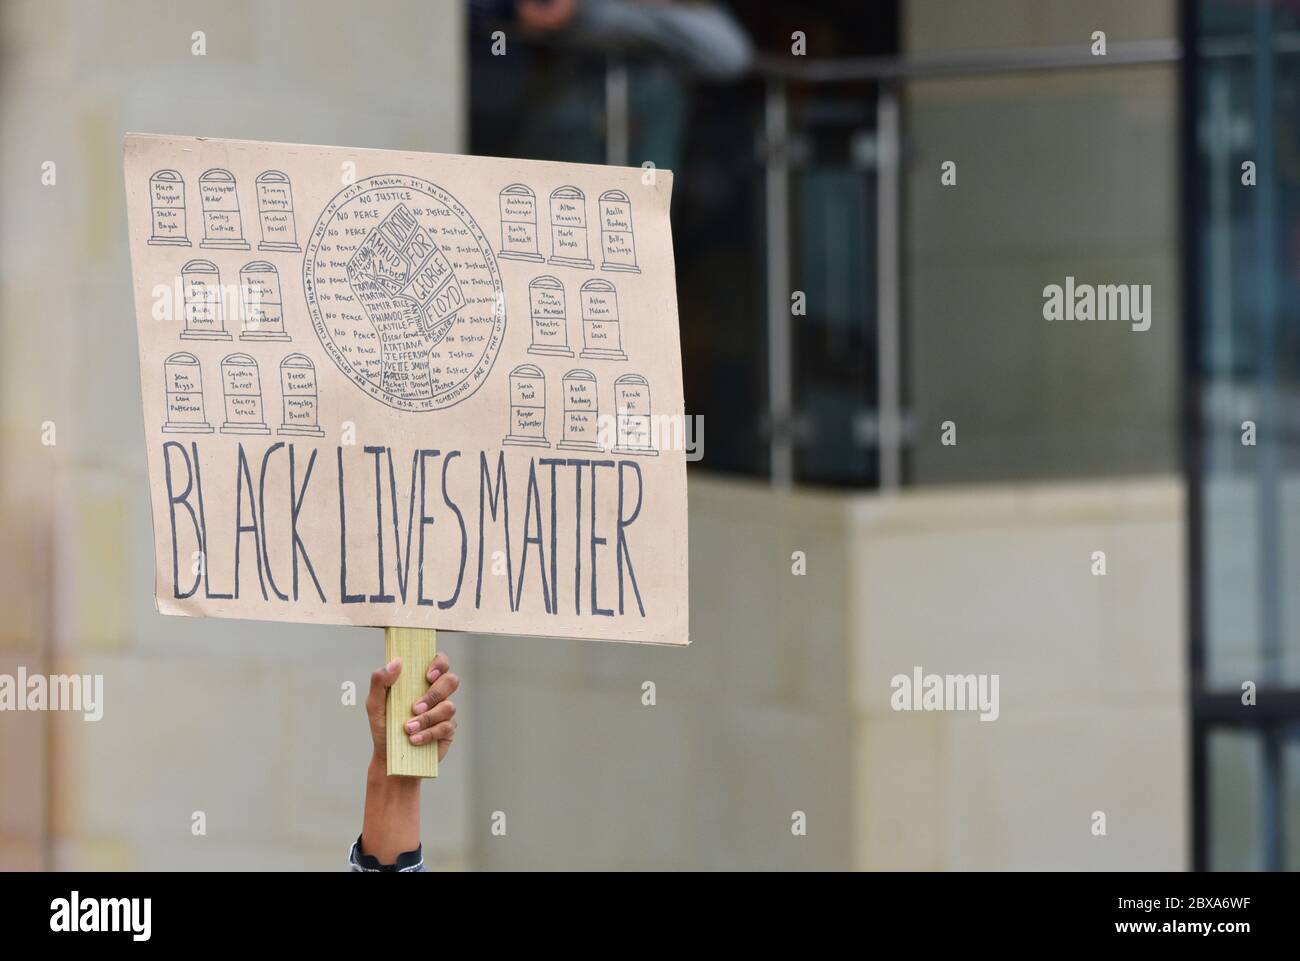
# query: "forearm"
(391, 824)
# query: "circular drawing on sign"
(404, 292)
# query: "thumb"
(382, 679)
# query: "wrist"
(377, 774)
(391, 824)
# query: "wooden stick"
(416, 647)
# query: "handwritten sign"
(387, 391)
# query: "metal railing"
(888, 74)
(887, 427)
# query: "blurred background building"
(813, 171)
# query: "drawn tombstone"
(581, 412)
(223, 228)
(275, 211)
(602, 333)
(519, 224)
(183, 384)
(632, 410)
(550, 323)
(259, 289)
(242, 386)
(618, 247)
(301, 398)
(205, 317)
(569, 227)
(167, 209)
(527, 408)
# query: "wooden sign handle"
(416, 647)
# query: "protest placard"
(410, 390)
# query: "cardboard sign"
(412, 390)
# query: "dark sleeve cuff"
(407, 862)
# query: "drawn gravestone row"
(204, 308)
(241, 384)
(602, 335)
(581, 418)
(223, 226)
(568, 210)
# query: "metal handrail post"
(780, 394)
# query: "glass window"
(1060, 174)
(1236, 760)
(833, 268)
(1245, 262)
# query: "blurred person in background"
(702, 37)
